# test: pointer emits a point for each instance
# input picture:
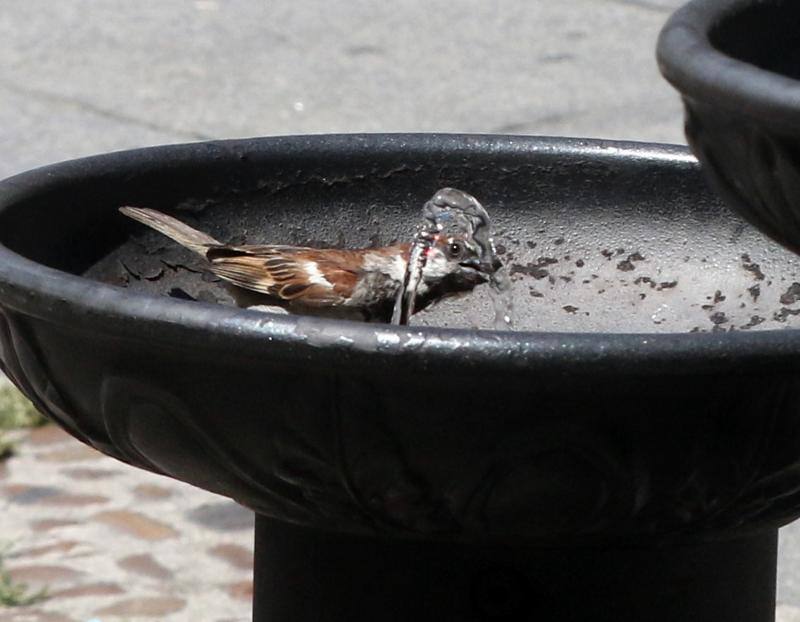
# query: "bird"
(361, 284)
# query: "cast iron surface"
(736, 64)
(441, 433)
(304, 575)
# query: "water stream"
(502, 300)
(455, 213)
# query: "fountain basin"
(620, 450)
(735, 62)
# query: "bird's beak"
(486, 267)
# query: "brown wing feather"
(281, 271)
(274, 270)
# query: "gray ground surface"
(80, 77)
(85, 76)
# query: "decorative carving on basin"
(524, 464)
(25, 368)
(544, 438)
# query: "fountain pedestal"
(627, 453)
(305, 575)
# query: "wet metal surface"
(583, 256)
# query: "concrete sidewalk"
(86, 76)
(80, 77)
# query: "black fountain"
(627, 452)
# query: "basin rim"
(690, 62)
(81, 304)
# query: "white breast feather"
(436, 266)
(398, 268)
(394, 268)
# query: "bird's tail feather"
(182, 233)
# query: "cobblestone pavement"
(110, 542)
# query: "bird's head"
(457, 259)
(452, 253)
(460, 233)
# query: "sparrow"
(363, 284)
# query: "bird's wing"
(310, 276)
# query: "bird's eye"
(455, 249)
